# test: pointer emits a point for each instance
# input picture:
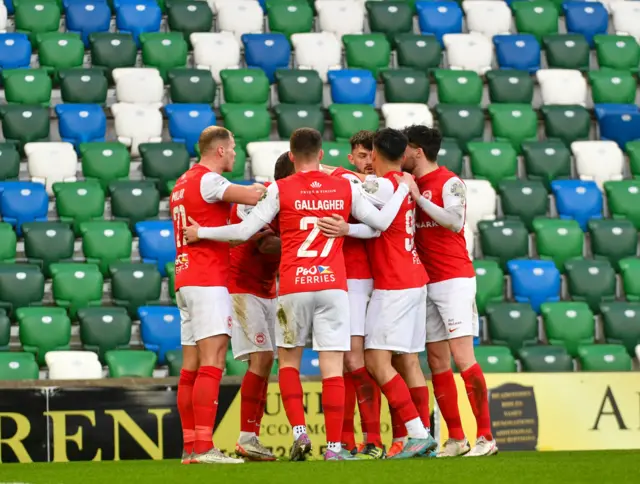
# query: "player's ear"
(321, 155)
(291, 157)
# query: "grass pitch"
(611, 467)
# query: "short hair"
(283, 167)
(362, 138)
(390, 143)
(425, 138)
(210, 136)
(305, 142)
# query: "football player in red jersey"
(313, 286)
(201, 290)
(452, 318)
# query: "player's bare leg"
(187, 379)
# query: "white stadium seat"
(638, 352)
(264, 155)
(599, 161)
(3, 18)
(626, 18)
(240, 18)
(481, 202)
(401, 115)
(317, 51)
(51, 162)
(73, 365)
(469, 238)
(487, 17)
(215, 52)
(137, 123)
(472, 52)
(562, 87)
(340, 17)
(216, 5)
(138, 85)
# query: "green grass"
(615, 467)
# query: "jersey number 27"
(180, 218)
(303, 251)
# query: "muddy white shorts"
(451, 309)
(204, 312)
(253, 325)
(359, 294)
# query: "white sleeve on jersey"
(352, 178)
(377, 190)
(213, 186)
(454, 198)
(263, 213)
(366, 212)
(362, 231)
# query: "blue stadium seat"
(521, 52)
(87, 16)
(160, 329)
(137, 17)
(15, 51)
(10, 8)
(268, 52)
(186, 122)
(618, 122)
(310, 364)
(352, 86)
(586, 18)
(577, 199)
(81, 123)
(156, 243)
(534, 281)
(439, 18)
(23, 202)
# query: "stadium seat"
(138, 85)
(471, 52)
(586, 18)
(458, 87)
(240, 18)
(48, 242)
(617, 52)
(73, 365)
(621, 324)
(136, 18)
(164, 51)
(493, 161)
(625, 19)
(439, 18)
(348, 119)
(352, 86)
(461, 123)
(268, 52)
(134, 201)
(112, 51)
(487, 18)
(86, 17)
(490, 280)
(263, 158)
(310, 364)
(104, 328)
(591, 281)
(299, 86)
(420, 52)
(562, 87)
(538, 18)
(174, 361)
(524, 200)
(58, 51)
(188, 17)
(105, 242)
(34, 18)
(27, 86)
(336, 154)
(510, 86)
(578, 199)
(600, 161)
(450, 155)
(566, 123)
(162, 162)
(503, 240)
(558, 240)
(248, 86)
(104, 162)
(618, 122)
(9, 161)
(24, 124)
(405, 86)
(249, 122)
(215, 52)
(23, 202)
(49, 163)
(390, 18)
(612, 86)
(514, 325)
(613, 240)
(131, 363)
(186, 122)
(630, 271)
(156, 243)
(7, 243)
(514, 123)
(134, 285)
(15, 51)
(565, 51)
(520, 51)
(481, 202)
(340, 18)
(367, 51)
(317, 51)
(83, 86)
(76, 286)
(5, 331)
(43, 330)
(290, 18)
(293, 116)
(534, 282)
(568, 324)
(609, 357)
(546, 161)
(137, 123)
(495, 359)
(545, 359)
(191, 86)
(81, 123)
(632, 149)
(16, 366)
(622, 198)
(21, 285)
(401, 115)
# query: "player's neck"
(215, 165)
(301, 166)
(424, 168)
(386, 167)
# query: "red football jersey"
(394, 261)
(205, 263)
(310, 261)
(356, 258)
(443, 252)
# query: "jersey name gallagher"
(319, 204)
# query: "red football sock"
(291, 393)
(250, 396)
(263, 404)
(333, 407)
(205, 406)
(478, 398)
(420, 397)
(399, 398)
(397, 426)
(348, 430)
(185, 408)
(446, 393)
(368, 393)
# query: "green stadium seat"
(591, 281)
(608, 357)
(621, 324)
(249, 122)
(162, 162)
(615, 87)
(503, 240)
(405, 86)
(79, 202)
(450, 156)
(299, 86)
(21, 285)
(164, 51)
(490, 280)
(170, 267)
(514, 123)
(245, 86)
(43, 330)
(335, 154)
(131, 363)
(558, 240)
(84, 86)
(293, 116)
(290, 18)
(8, 241)
(110, 51)
(390, 18)
(234, 367)
(9, 162)
(546, 160)
(613, 239)
(461, 123)
(27, 86)
(5, 331)
(566, 123)
(510, 86)
(617, 52)
(134, 201)
(493, 161)
(48, 242)
(524, 200)
(538, 18)
(458, 87)
(191, 86)
(545, 359)
(106, 242)
(134, 285)
(568, 324)
(105, 162)
(495, 359)
(630, 271)
(420, 52)
(566, 51)
(348, 119)
(632, 148)
(76, 286)
(367, 51)
(188, 17)
(18, 366)
(104, 329)
(174, 361)
(33, 17)
(24, 123)
(623, 198)
(512, 324)
(58, 50)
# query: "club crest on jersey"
(316, 184)
(427, 194)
